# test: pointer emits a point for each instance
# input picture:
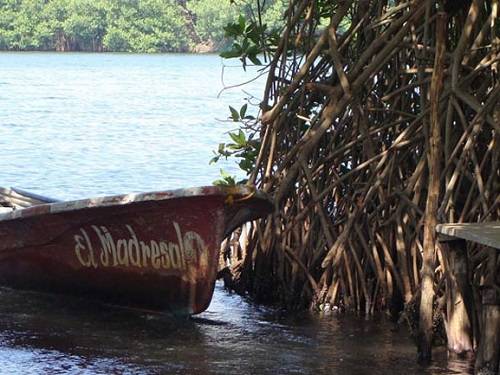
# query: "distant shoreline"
(198, 49)
(111, 52)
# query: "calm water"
(77, 125)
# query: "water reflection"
(53, 334)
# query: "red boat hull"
(157, 252)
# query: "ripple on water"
(39, 331)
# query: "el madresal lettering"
(134, 252)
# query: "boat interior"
(16, 199)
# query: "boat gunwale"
(126, 199)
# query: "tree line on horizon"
(123, 25)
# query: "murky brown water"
(44, 334)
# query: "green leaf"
(234, 137)
(234, 147)
(246, 165)
(230, 54)
(254, 59)
(245, 45)
(253, 50)
(232, 30)
(241, 138)
(243, 63)
(243, 110)
(226, 180)
(241, 22)
(254, 32)
(234, 115)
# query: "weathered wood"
(487, 234)
(459, 319)
(459, 307)
(434, 156)
(488, 356)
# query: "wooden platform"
(487, 234)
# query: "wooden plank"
(487, 234)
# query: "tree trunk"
(434, 160)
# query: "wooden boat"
(156, 251)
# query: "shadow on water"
(54, 334)
(44, 333)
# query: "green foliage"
(247, 40)
(21, 28)
(157, 27)
(225, 180)
(274, 15)
(210, 20)
(124, 25)
(85, 23)
(240, 115)
(254, 34)
(116, 40)
(244, 149)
